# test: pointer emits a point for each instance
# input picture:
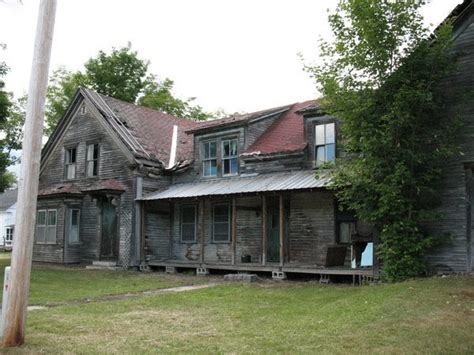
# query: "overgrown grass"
(51, 284)
(426, 316)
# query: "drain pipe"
(174, 143)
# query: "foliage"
(120, 74)
(381, 76)
(9, 129)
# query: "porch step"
(102, 265)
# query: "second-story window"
(229, 157)
(70, 163)
(92, 160)
(325, 143)
(209, 161)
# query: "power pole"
(15, 312)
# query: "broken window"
(92, 160)
(70, 163)
(229, 157)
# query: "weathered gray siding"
(274, 164)
(453, 255)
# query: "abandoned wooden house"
(139, 188)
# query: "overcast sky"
(238, 55)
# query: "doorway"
(109, 232)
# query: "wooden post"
(15, 312)
(201, 228)
(282, 231)
(234, 229)
(170, 251)
(264, 230)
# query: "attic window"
(70, 163)
(324, 143)
(83, 109)
(209, 158)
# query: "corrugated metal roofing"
(294, 180)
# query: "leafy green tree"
(382, 76)
(120, 74)
(6, 143)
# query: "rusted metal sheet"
(295, 180)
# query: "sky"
(235, 55)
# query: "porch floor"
(269, 267)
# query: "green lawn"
(426, 316)
(52, 284)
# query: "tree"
(6, 141)
(382, 77)
(120, 74)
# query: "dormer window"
(209, 161)
(325, 143)
(229, 157)
(70, 163)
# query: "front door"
(108, 245)
(273, 252)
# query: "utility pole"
(15, 312)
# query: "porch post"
(282, 231)
(201, 227)
(234, 229)
(264, 230)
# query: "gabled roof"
(285, 135)
(238, 119)
(8, 199)
(145, 133)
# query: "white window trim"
(315, 149)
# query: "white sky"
(239, 55)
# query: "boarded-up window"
(221, 223)
(92, 160)
(46, 222)
(188, 223)
(73, 228)
(325, 143)
(70, 163)
(229, 157)
(209, 158)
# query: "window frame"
(210, 158)
(96, 161)
(229, 223)
(230, 157)
(46, 226)
(181, 223)
(69, 164)
(69, 227)
(349, 222)
(9, 233)
(326, 143)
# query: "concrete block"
(278, 275)
(202, 271)
(241, 277)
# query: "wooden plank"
(201, 229)
(264, 230)
(234, 229)
(282, 231)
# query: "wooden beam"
(234, 229)
(201, 228)
(16, 307)
(264, 230)
(282, 231)
(172, 222)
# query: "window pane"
(71, 171)
(210, 150)
(233, 147)
(210, 168)
(330, 133)
(226, 166)
(187, 232)
(225, 149)
(52, 218)
(221, 229)
(51, 234)
(90, 152)
(344, 232)
(234, 166)
(320, 155)
(320, 135)
(74, 217)
(71, 155)
(330, 152)
(96, 152)
(41, 219)
(188, 214)
(74, 234)
(221, 211)
(40, 234)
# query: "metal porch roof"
(295, 180)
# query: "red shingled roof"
(285, 135)
(154, 129)
(105, 185)
(60, 189)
